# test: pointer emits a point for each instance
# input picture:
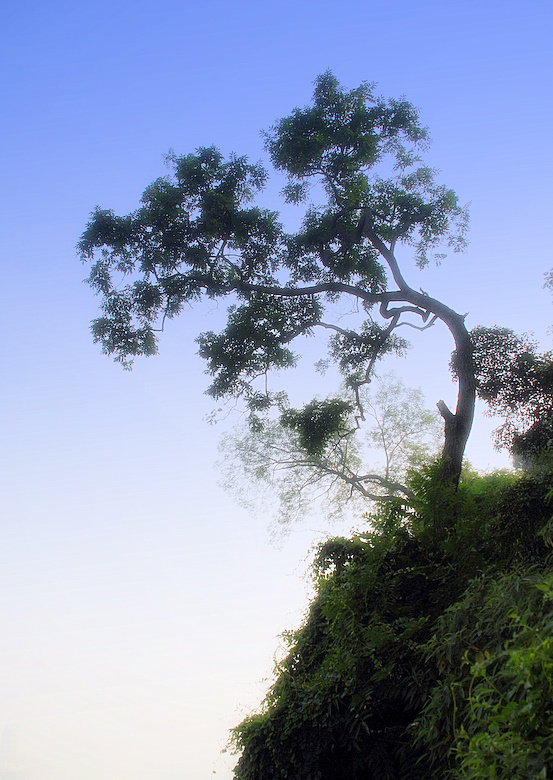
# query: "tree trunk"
(458, 426)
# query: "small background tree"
(324, 460)
(515, 380)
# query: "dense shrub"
(428, 649)
(490, 711)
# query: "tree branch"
(356, 482)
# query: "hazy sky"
(140, 606)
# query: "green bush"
(427, 651)
(491, 708)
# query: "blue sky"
(141, 606)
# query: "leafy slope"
(428, 649)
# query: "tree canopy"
(353, 160)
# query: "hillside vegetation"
(427, 652)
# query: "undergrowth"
(427, 652)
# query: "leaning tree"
(353, 160)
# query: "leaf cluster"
(354, 352)
(318, 422)
(516, 382)
(169, 252)
(254, 341)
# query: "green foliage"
(353, 352)
(327, 715)
(254, 341)
(491, 708)
(491, 518)
(318, 422)
(516, 382)
(421, 657)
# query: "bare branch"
(419, 327)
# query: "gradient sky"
(140, 606)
